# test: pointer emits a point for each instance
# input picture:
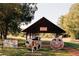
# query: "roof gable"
(43, 26)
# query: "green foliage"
(77, 36)
(10, 13)
(28, 11)
(11, 16)
(70, 21)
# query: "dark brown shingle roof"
(48, 26)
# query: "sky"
(51, 11)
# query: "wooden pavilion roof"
(43, 25)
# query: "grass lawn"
(26, 52)
(72, 45)
(23, 51)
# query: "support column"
(26, 35)
(30, 36)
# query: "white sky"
(52, 11)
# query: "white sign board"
(43, 28)
(10, 43)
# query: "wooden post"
(26, 35)
(30, 35)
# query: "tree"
(70, 22)
(11, 17)
(10, 12)
(28, 11)
(1, 24)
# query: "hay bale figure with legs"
(33, 44)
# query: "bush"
(77, 36)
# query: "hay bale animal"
(33, 44)
(57, 43)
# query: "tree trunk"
(1, 35)
(5, 36)
(5, 32)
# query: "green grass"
(72, 45)
(21, 43)
(14, 52)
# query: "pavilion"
(43, 25)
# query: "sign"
(10, 43)
(43, 28)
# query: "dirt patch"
(72, 51)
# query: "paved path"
(72, 51)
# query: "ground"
(70, 49)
